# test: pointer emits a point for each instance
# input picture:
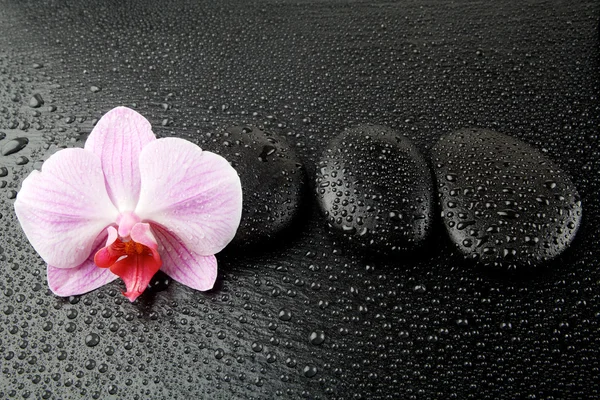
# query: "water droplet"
(36, 101)
(285, 314)
(257, 347)
(267, 150)
(271, 357)
(420, 289)
(317, 337)
(310, 371)
(92, 339)
(14, 145)
(219, 353)
(159, 282)
(90, 365)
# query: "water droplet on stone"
(317, 337)
(285, 314)
(310, 371)
(266, 151)
(257, 347)
(159, 282)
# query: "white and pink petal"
(81, 279)
(181, 264)
(64, 207)
(118, 139)
(196, 195)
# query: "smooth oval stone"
(273, 181)
(376, 189)
(13, 146)
(503, 202)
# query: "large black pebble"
(273, 182)
(376, 189)
(503, 202)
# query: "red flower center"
(133, 262)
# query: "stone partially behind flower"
(128, 205)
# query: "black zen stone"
(273, 182)
(375, 188)
(503, 202)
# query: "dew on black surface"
(257, 347)
(409, 327)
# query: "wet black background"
(425, 326)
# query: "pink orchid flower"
(127, 205)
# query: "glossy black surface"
(310, 317)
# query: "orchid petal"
(126, 221)
(81, 279)
(195, 271)
(118, 139)
(141, 233)
(105, 256)
(194, 194)
(64, 207)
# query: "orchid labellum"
(128, 205)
